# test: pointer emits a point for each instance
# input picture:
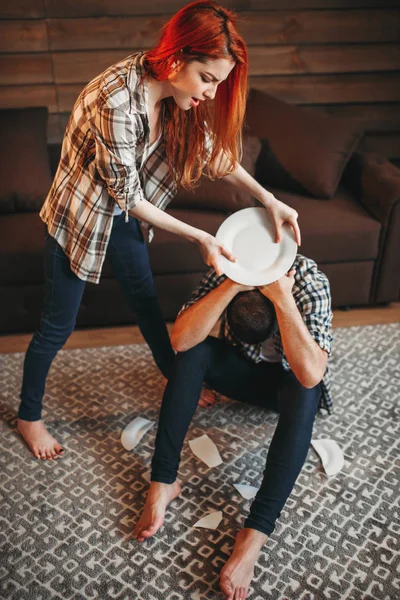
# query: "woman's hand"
(211, 250)
(280, 214)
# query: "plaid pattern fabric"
(311, 292)
(101, 164)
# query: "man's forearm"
(305, 357)
(195, 323)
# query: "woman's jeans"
(129, 258)
(267, 385)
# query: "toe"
(227, 587)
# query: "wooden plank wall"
(339, 56)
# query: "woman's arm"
(280, 212)
(209, 247)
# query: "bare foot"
(152, 518)
(238, 572)
(39, 440)
(207, 398)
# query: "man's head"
(251, 317)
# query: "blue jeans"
(267, 385)
(128, 255)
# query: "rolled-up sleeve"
(314, 303)
(115, 139)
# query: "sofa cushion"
(303, 151)
(221, 195)
(334, 231)
(25, 175)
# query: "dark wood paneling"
(23, 36)
(104, 32)
(338, 26)
(18, 69)
(81, 67)
(23, 96)
(323, 89)
(260, 28)
(97, 8)
(25, 9)
(374, 117)
(281, 60)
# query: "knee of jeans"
(299, 400)
(53, 335)
(197, 353)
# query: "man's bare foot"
(39, 440)
(152, 517)
(238, 572)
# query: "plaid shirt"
(312, 296)
(101, 164)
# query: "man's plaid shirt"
(101, 159)
(313, 299)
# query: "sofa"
(348, 203)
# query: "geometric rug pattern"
(65, 526)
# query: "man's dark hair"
(251, 317)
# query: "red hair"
(202, 31)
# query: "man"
(273, 351)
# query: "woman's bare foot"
(152, 518)
(207, 398)
(238, 572)
(39, 440)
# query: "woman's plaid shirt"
(313, 299)
(101, 164)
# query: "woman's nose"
(210, 93)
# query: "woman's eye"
(204, 79)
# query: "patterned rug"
(65, 526)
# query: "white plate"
(134, 431)
(249, 234)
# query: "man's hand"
(280, 289)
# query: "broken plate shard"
(331, 455)
(134, 431)
(205, 449)
(210, 521)
(247, 491)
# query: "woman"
(148, 124)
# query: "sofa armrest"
(375, 182)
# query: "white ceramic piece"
(247, 491)
(210, 521)
(250, 235)
(134, 431)
(205, 449)
(331, 455)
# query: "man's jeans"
(128, 255)
(265, 384)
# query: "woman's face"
(195, 82)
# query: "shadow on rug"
(66, 525)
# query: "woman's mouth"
(194, 102)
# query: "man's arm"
(194, 324)
(305, 357)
